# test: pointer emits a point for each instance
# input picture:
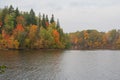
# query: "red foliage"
(19, 28)
(0, 24)
(47, 24)
(4, 35)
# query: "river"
(60, 64)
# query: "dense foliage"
(25, 30)
(20, 30)
(92, 39)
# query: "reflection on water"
(60, 65)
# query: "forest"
(93, 39)
(26, 30)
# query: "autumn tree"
(112, 35)
(20, 20)
(32, 34)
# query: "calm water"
(61, 65)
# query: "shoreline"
(59, 49)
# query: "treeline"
(92, 39)
(20, 30)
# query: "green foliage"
(17, 13)
(47, 38)
(39, 21)
(26, 30)
(9, 23)
(32, 17)
(3, 14)
(2, 69)
(112, 36)
(44, 21)
(11, 9)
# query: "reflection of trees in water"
(2, 68)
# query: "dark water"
(61, 65)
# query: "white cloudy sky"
(75, 15)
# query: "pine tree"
(3, 15)
(58, 24)
(39, 20)
(39, 25)
(11, 9)
(44, 21)
(17, 13)
(47, 21)
(27, 18)
(52, 19)
(32, 17)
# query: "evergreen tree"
(17, 13)
(27, 18)
(32, 17)
(44, 21)
(47, 21)
(39, 25)
(58, 24)
(12, 13)
(52, 19)
(11, 9)
(9, 23)
(39, 20)
(3, 15)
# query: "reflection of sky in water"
(60, 65)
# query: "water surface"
(60, 65)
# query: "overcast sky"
(75, 15)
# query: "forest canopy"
(26, 30)
(93, 39)
(20, 30)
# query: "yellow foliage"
(33, 30)
(118, 43)
(86, 35)
(16, 44)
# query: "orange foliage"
(76, 40)
(4, 35)
(19, 28)
(32, 33)
(33, 28)
(56, 35)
